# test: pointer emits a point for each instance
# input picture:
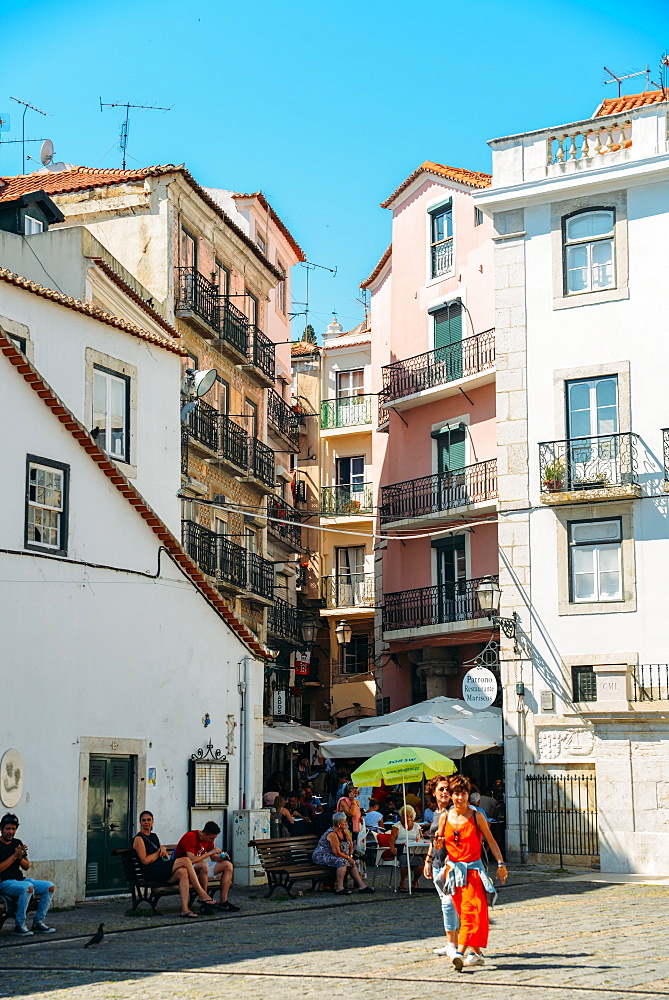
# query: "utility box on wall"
(248, 824)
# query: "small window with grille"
(584, 684)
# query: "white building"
(581, 217)
(110, 683)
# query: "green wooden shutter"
(447, 337)
(451, 450)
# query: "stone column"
(436, 664)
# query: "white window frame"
(104, 437)
(595, 548)
(32, 226)
(345, 391)
(433, 211)
(35, 501)
(589, 243)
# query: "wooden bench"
(144, 891)
(287, 860)
(8, 906)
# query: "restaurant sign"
(479, 687)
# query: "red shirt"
(190, 843)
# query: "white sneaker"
(448, 950)
(458, 961)
(474, 959)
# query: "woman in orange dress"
(460, 831)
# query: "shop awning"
(301, 734)
(271, 735)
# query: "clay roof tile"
(470, 178)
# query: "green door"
(452, 490)
(451, 576)
(448, 341)
(108, 827)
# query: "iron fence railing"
(347, 411)
(651, 682)
(260, 575)
(356, 498)
(233, 325)
(283, 621)
(231, 562)
(562, 815)
(587, 463)
(348, 590)
(261, 352)
(284, 521)
(196, 293)
(665, 448)
(443, 491)
(234, 443)
(216, 555)
(283, 417)
(442, 258)
(261, 461)
(426, 371)
(203, 424)
(200, 544)
(184, 450)
(441, 604)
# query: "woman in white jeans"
(435, 862)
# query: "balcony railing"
(588, 463)
(261, 352)
(444, 491)
(442, 258)
(203, 425)
(284, 521)
(196, 293)
(233, 325)
(585, 142)
(651, 682)
(260, 576)
(443, 604)
(339, 501)
(427, 371)
(261, 461)
(200, 544)
(347, 411)
(348, 590)
(665, 448)
(283, 621)
(184, 450)
(234, 443)
(232, 563)
(283, 418)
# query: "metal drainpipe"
(243, 731)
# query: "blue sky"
(325, 107)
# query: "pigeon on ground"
(97, 937)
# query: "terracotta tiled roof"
(88, 309)
(299, 252)
(125, 487)
(469, 177)
(379, 267)
(87, 178)
(303, 347)
(630, 102)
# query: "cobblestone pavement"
(551, 937)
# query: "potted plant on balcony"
(553, 479)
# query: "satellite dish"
(46, 152)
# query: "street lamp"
(489, 595)
(343, 632)
(309, 627)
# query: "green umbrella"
(403, 764)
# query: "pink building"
(435, 467)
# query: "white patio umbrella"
(453, 739)
(440, 707)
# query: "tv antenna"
(123, 137)
(619, 79)
(308, 265)
(23, 125)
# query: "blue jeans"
(451, 919)
(18, 889)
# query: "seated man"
(300, 814)
(13, 883)
(208, 861)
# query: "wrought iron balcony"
(261, 353)
(203, 425)
(234, 446)
(200, 544)
(347, 411)
(284, 521)
(283, 418)
(184, 450)
(441, 492)
(443, 604)
(651, 682)
(233, 326)
(260, 578)
(283, 622)
(348, 590)
(216, 555)
(665, 448)
(341, 501)
(261, 462)
(442, 258)
(196, 294)
(586, 468)
(232, 563)
(463, 359)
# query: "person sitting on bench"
(156, 866)
(208, 861)
(15, 885)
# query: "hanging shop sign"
(479, 687)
